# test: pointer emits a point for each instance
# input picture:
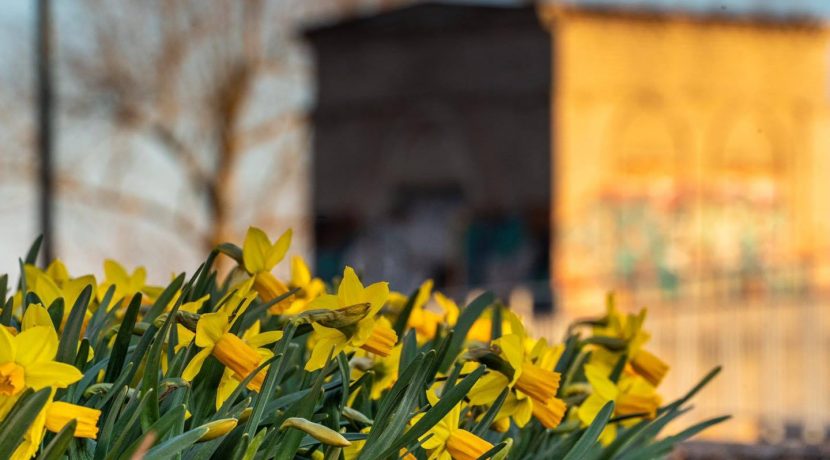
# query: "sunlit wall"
(690, 156)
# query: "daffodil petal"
(254, 248)
(264, 338)
(325, 302)
(488, 388)
(51, 373)
(7, 345)
(36, 315)
(210, 328)
(350, 290)
(277, 252)
(195, 364)
(300, 274)
(376, 294)
(36, 345)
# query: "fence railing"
(775, 357)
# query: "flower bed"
(254, 367)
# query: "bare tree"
(184, 75)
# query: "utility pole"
(43, 31)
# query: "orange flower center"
(239, 357)
(540, 384)
(649, 366)
(463, 445)
(628, 404)
(549, 414)
(269, 288)
(11, 379)
(382, 340)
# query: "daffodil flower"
(27, 360)
(310, 288)
(53, 417)
(255, 340)
(630, 329)
(59, 413)
(259, 257)
(49, 289)
(370, 333)
(126, 284)
(480, 331)
(425, 322)
(533, 382)
(213, 336)
(633, 395)
(446, 441)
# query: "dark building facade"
(432, 146)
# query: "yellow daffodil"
(54, 417)
(633, 395)
(59, 413)
(126, 284)
(372, 334)
(310, 287)
(49, 289)
(213, 336)
(424, 321)
(533, 381)
(630, 328)
(255, 340)
(480, 331)
(446, 441)
(27, 360)
(259, 256)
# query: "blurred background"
(676, 152)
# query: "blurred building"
(681, 156)
(432, 147)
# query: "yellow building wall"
(691, 175)
(672, 112)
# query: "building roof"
(419, 14)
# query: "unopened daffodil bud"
(319, 432)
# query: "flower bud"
(218, 428)
(319, 432)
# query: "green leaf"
(8, 307)
(403, 317)
(271, 378)
(304, 409)
(18, 420)
(122, 340)
(158, 429)
(448, 401)
(591, 434)
(465, 321)
(56, 313)
(34, 250)
(703, 382)
(496, 452)
(164, 299)
(175, 445)
(110, 415)
(664, 446)
(152, 367)
(253, 447)
(125, 423)
(484, 424)
(56, 448)
(231, 250)
(68, 347)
